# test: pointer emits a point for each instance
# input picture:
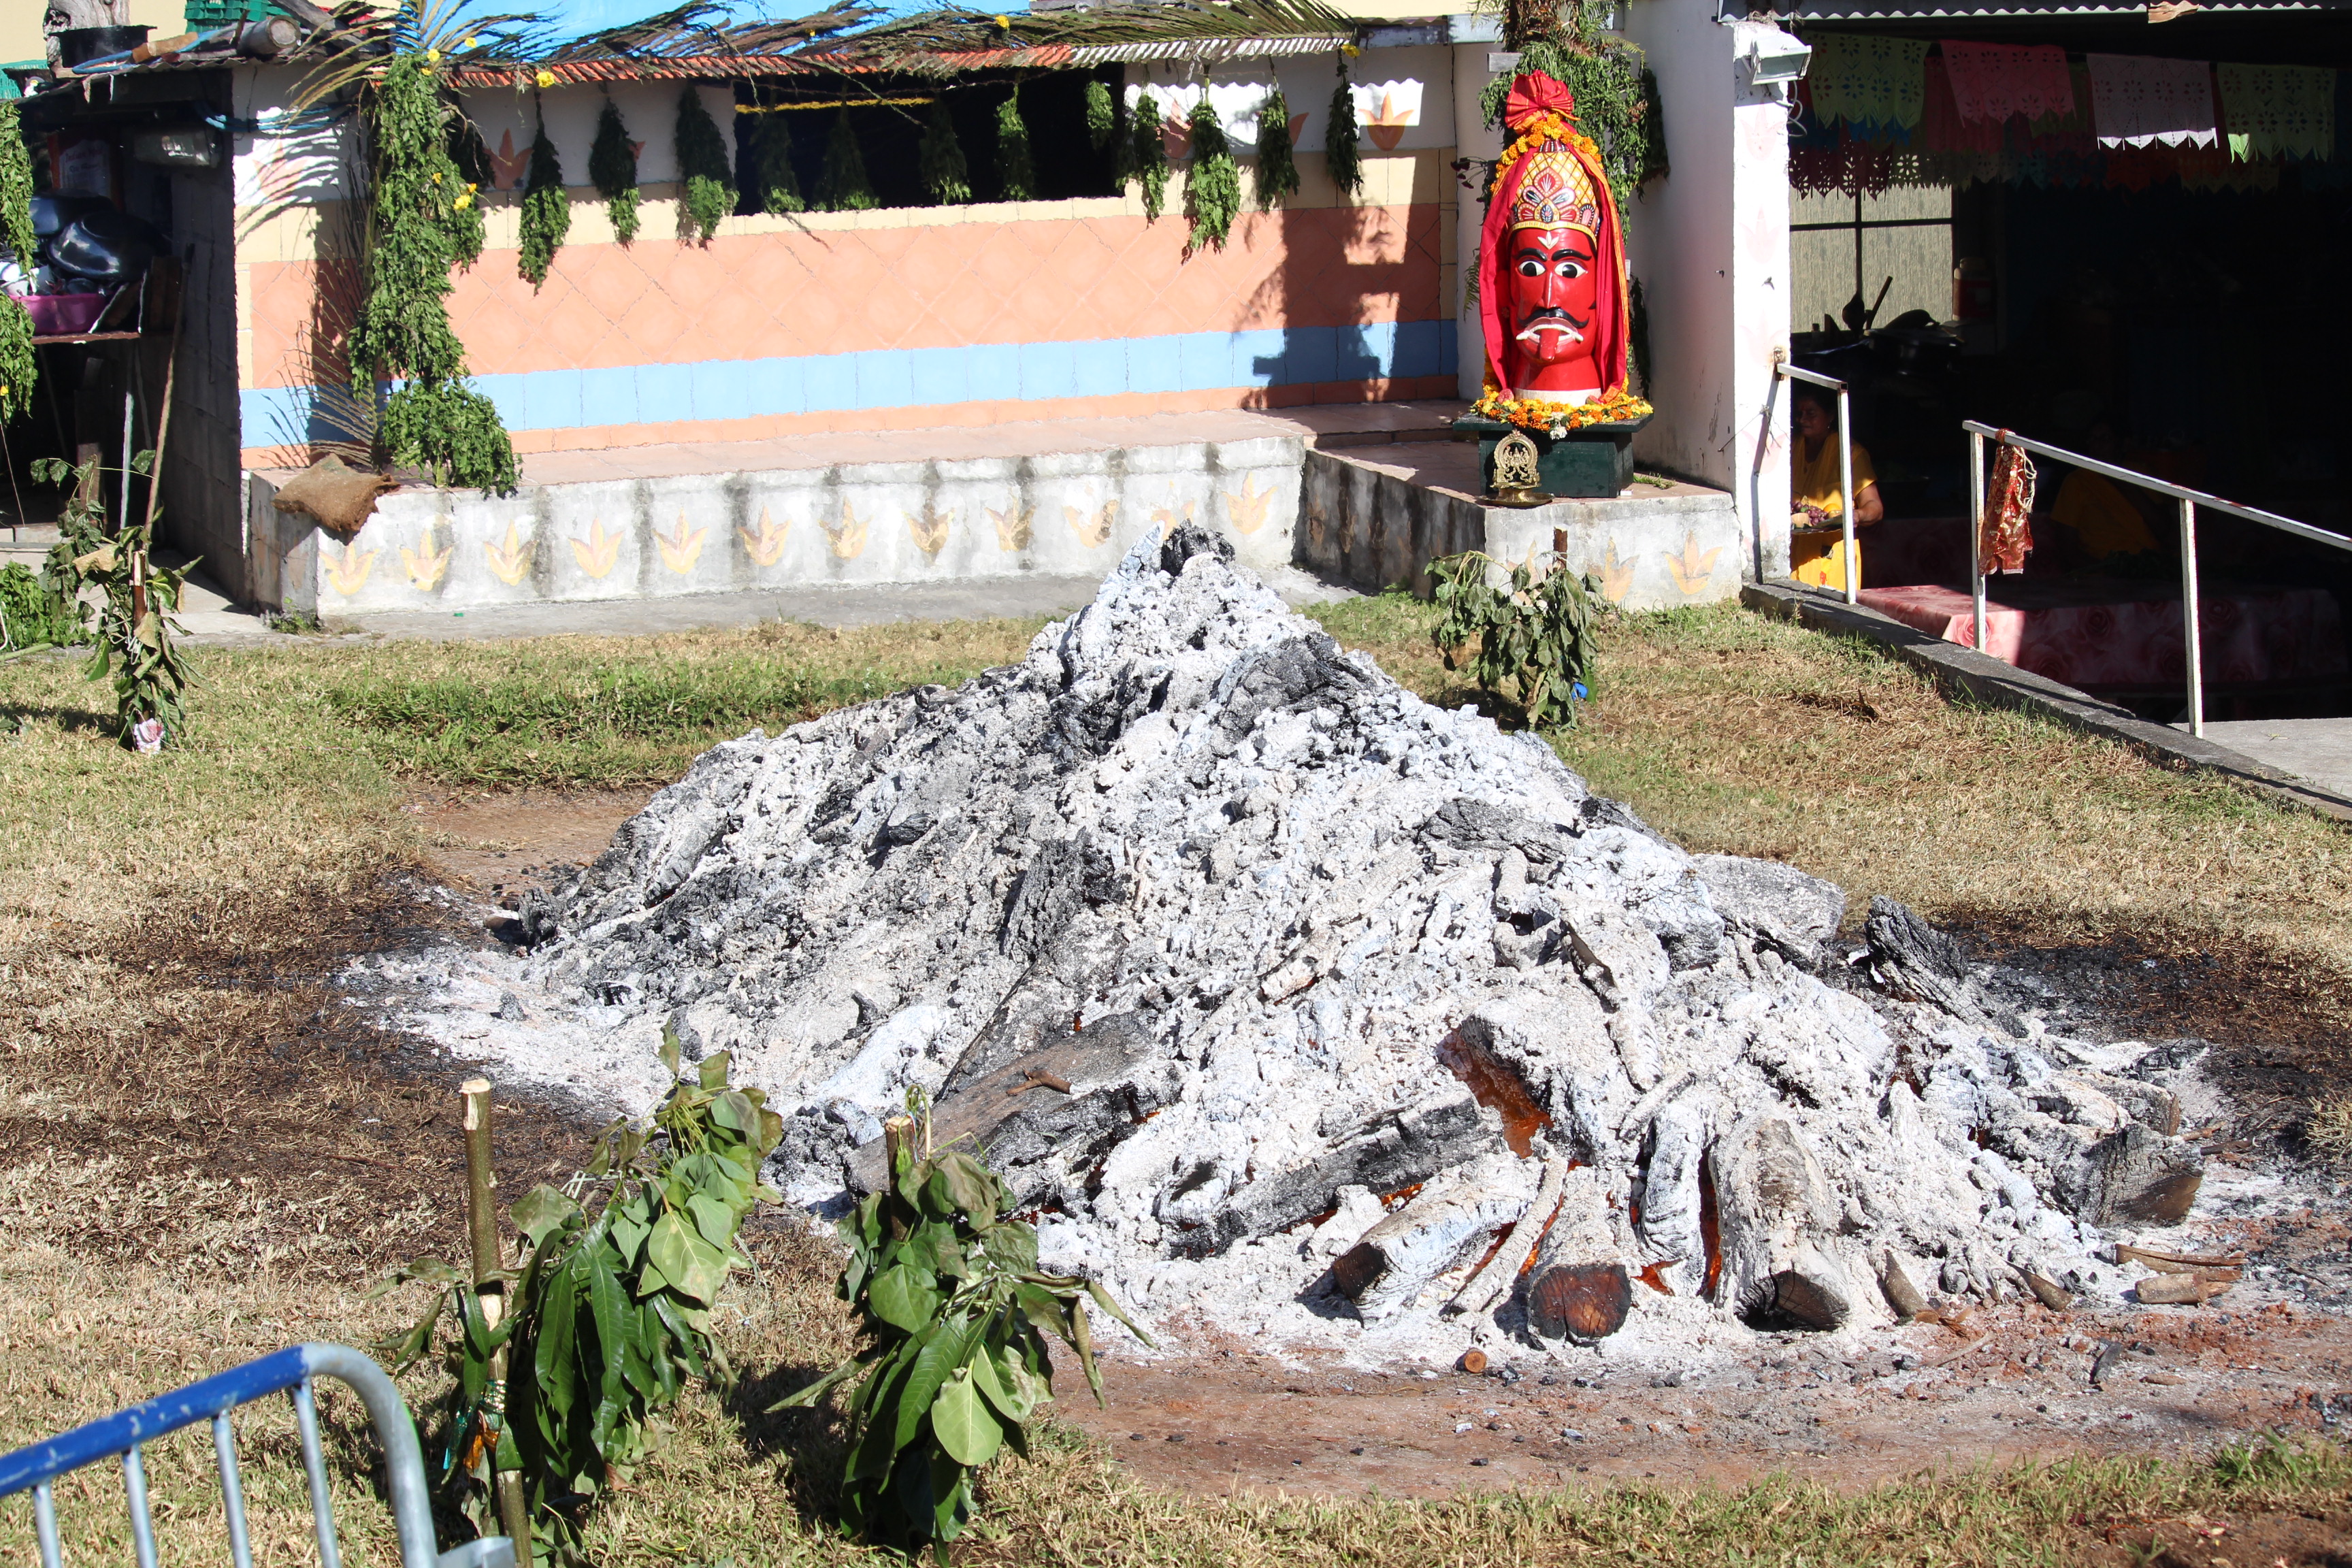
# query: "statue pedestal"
(1595, 461)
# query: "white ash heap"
(1297, 1007)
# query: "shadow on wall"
(1322, 360)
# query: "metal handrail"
(1783, 370)
(2188, 499)
(288, 1371)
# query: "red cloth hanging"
(2005, 532)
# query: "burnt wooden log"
(1055, 1105)
(1579, 1301)
(1399, 1256)
(2136, 1176)
(1901, 1294)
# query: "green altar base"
(1595, 461)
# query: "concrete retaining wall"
(1376, 520)
(1057, 513)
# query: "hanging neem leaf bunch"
(19, 367)
(846, 187)
(947, 1287)
(133, 636)
(1343, 138)
(424, 220)
(1536, 634)
(609, 1313)
(1213, 190)
(1275, 175)
(944, 172)
(546, 210)
(1148, 156)
(706, 166)
(613, 166)
(1017, 170)
(779, 185)
(1102, 113)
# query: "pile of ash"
(1298, 1007)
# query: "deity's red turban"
(1550, 177)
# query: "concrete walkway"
(2318, 751)
(212, 622)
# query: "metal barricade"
(288, 1371)
(2188, 499)
(1783, 370)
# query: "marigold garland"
(1558, 418)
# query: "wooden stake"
(482, 1230)
(898, 1138)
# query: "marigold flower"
(546, 78)
(432, 57)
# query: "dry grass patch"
(205, 1155)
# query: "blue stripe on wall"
(915, 378)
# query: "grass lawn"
(204, 1156)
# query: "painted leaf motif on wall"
(1093, 528)
(846, 535)
(1248, 506)
(679, 550)
(767, 546)
(424, 564)
(1013, 525)
(348, 573)
(510, 562)
(598, 552)
(1693, 567)
(929, 528)
(1166, 518)
(1617, 574)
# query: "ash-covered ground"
(1299, 1009)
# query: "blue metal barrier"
(288, 1371)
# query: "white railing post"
(2193, 639)
(1976, 531)
(1846, 497)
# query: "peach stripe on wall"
(659, 301)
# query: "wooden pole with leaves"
(490, 1291)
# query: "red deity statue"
(1552, 296)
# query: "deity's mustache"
(1550, 318)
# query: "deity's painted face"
(1553, 289)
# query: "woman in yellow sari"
(1817, 509)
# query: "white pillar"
(1472, 139)
(1710, 244)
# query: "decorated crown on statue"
(1555, 192)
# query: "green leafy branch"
(610, 1308)
(1213, 190)
(133, 638)
(947, 1287)
(1536, 634)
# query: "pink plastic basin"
(62, 315)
